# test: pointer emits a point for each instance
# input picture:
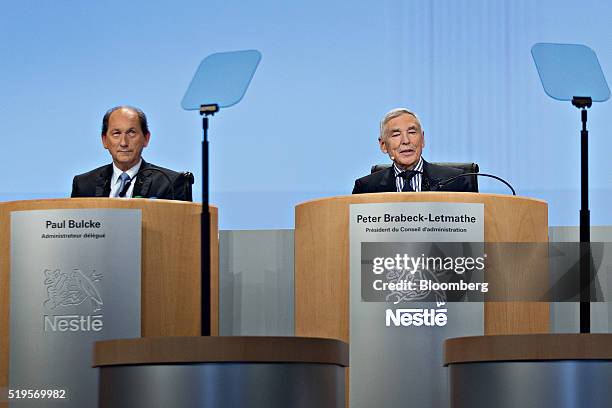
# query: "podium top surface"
(528, 347)
(96, 202)
(424, 196)
(256, 349)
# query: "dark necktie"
(407, 175)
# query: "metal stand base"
(568, 384)
(223, 385)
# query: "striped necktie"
(124, 185)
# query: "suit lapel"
(143, 181)
(429, 179)
(387, 183)
(103, 181)
(425, 182)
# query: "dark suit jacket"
(151, 181)
(384, 180)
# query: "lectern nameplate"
(75, 279)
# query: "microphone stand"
(583, 103)
(442, 183)
(167, 177)
(205, 112)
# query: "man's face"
(124, 139)
(403, 141)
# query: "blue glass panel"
(568, 70)
(221, 78)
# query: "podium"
(170, 272)
(181, 372)
(322, 258)
(323, 292)
(535, 370)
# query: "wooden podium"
(171, 283)
(322, 258)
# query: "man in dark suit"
(403, 139)
(125, 133)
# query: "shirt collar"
(418, 167)
(130, 172)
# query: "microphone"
(126, 187)
(441, 183)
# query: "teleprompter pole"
(583, 103)
(205, 112)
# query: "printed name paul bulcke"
(72, 224)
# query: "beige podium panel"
(170, 293)
(322, 258)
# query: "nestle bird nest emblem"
(73, 302)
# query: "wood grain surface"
(256, 349)
(528, 347)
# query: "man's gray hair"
(392, 114)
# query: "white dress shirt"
(115, 182)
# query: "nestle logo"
(73, 323)
(415, 317)
(68, 294)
